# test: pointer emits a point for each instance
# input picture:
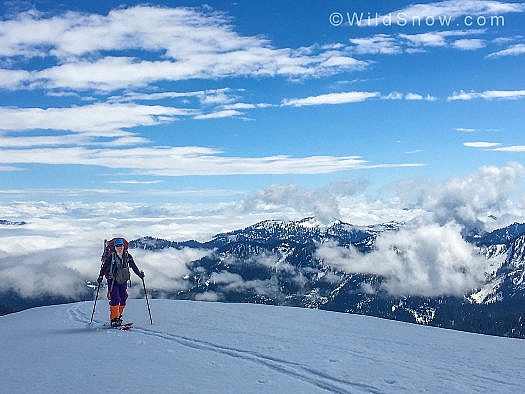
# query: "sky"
(220, 98)
(185, 119)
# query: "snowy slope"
(198, 347)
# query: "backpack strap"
(124, 264)
(111, 271)
(124, 260)
(112, 262)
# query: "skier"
(116, 268)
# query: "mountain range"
(274, 262)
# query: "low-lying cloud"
(323, 203)
(60, 246)
(471, 199)
(167, 269)
(428, 260)
(59, 249)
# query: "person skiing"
(116, 269)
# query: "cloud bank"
(471, 199)
(428, 256)
(426, 260)
(60, 246)
(323, 203)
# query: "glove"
(99, 279)
(141, 275)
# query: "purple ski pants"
(117, 293)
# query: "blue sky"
(181, 120)
(191, 102)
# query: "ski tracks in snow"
(295, 370)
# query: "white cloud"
(419, 97)
(209, 296)
(71, 218)
(514, 50)
(419, 259)
(383, 44)
(469, 44)
(99, 119)
(234, 282)
(432, 39)
(36, 264)
(184, 43)
(494, 146)
(67, 140)
(20, 142)
(512, 148)
(438, 38)
(386, 44)
(331, 98)
(488, 95)
(9, 168)
(340, 200)
(481, 144)
(134, 182)
(181, 161)
(55, 256)
(417, 14)
(13, 79)
(221, 96)
(74, 139)
(469, 200)
(167, 268)
(322, 203)
(226, 113)
(61, 244)
(394, 96)
(353, 97)
(239, 106)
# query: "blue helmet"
(118, 242)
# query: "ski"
(123, 326)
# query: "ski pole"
(95, 305)
(147, 302)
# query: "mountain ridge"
(274, 262)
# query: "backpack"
(109, 247)
(120, 274)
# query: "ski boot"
(116, 322)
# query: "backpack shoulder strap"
(111, 268)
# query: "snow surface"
(200, 347)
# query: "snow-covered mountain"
(205, 348)
(275, 262)
(507, 274)
(4, 222)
